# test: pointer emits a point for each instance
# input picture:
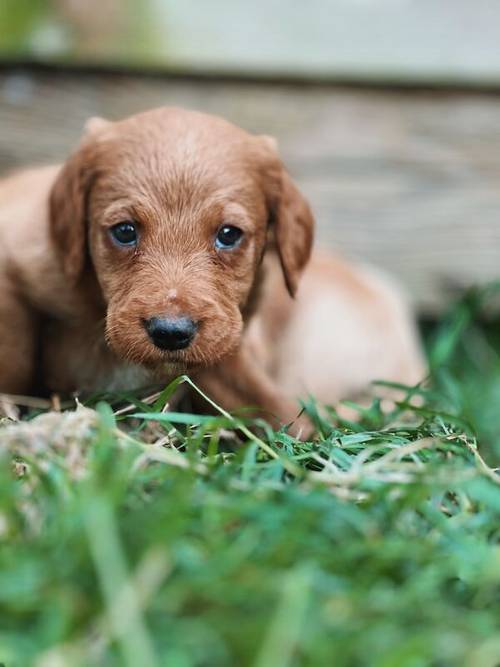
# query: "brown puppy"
(144, 256)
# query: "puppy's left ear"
(294, 229)
(293, 223)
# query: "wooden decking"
(408, 180)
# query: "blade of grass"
(287, 625)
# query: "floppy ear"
(68, 211)
(69, 198)
(291, 217)
(95, 124)
(293, 231)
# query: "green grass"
(167, 539)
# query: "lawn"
(133, 536)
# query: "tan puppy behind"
(174, 242)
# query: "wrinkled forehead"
(179, 168)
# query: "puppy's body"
(73, 306)
(347, 326)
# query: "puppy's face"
(172, 210)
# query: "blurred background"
(386, 111)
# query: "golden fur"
(73, 304)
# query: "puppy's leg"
(240, 382)
(17, 344)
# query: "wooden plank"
(410, 181)
(407, 41)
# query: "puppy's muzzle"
(171, 333)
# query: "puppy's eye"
(228, 237)
(124, 233)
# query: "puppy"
(173, 242)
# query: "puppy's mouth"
(189, 345)
(182, 344)
(181, 360)
(193, 358)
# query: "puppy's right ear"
(68, 201)
(68, 210)
(95, 124)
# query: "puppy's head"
(173, 210)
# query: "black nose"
(171, 333)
